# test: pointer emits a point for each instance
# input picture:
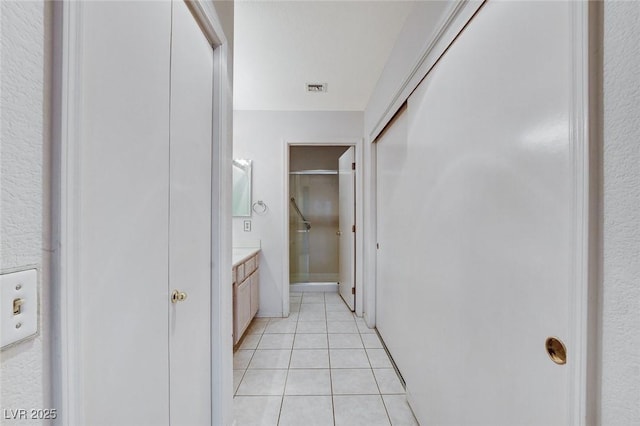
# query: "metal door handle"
(178, 296)
(556, 350)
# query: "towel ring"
(259, 207)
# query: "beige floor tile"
(312, 316)
(345, 341)
(284, 325)
(337, 307)
(308, 382)
(342, 327)
(359, 410)
(399, 410)
(257, 326)
(306, 411)
(256, 410)
(309, 358)
(312, 327)
(276, 341)
(349, 358)
(353, 382)
(379, 358)
(241, 359)
(388, 381)
(262, 382)
(270, 359)
(237, 377)
(310, 341)
(363, 328)
(249, 341)
(371, 341)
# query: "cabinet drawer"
(240, 273)
(250, 265)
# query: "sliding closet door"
(477, 222)
(122, 216)
(190, 220)
(393, 292)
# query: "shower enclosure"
(313, 226)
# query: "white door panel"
(347, 219)
(190, 219)
(476, 220)
(122, 193)
(144, 215)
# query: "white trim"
(357, 143)
(453, 22)
(65, 232)
(313, 287)
(579, 291)
(68, 57)
(208, 20)
(221, 295)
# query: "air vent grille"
(316, 87)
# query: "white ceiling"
(282, 45)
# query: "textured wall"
(23, 367)
(621, 272)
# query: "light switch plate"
(247, 226)
(18, 290)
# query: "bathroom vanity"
(246, 291)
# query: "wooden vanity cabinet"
(246, 295)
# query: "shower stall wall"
(313, 226)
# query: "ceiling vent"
(316, 87)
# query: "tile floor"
(321, 366)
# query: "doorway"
(321, 219)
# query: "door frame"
(359, 267)
(585, 140)
(66, 123)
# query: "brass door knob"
(556, 350)
(178, 296)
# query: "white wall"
(620, 400)
(261, 137)
(24, 190)
(24, 79)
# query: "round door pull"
(178, 296)
(556, 350)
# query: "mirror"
(241, 205)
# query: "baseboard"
(311, 287)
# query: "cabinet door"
(190, 220)
(242, 309)
(255, 293)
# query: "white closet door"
(190, 219)
(477, 208)
(393, 288)
(122, 215)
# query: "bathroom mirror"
(241, 205)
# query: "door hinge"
(353, 228)
(353, 166)
(378, 246)
(353, 290)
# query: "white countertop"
(239, 255)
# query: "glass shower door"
(313, 226)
